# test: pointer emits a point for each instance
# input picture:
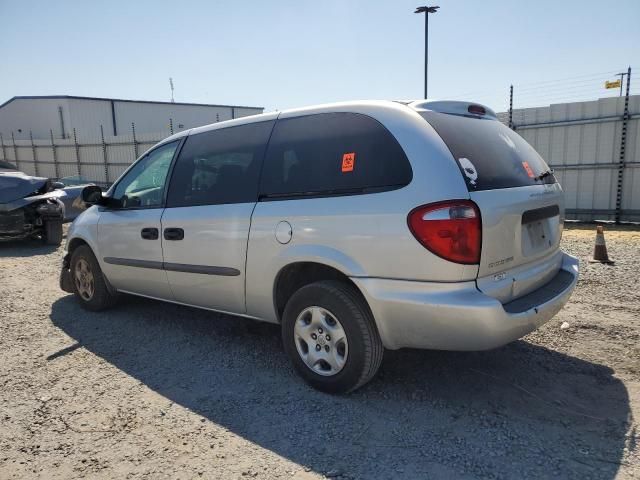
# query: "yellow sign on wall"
(614, 84)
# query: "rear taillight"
(452, 230)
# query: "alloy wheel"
(321, 341)
(83, 278)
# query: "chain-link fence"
(100, 159)
(588, 133)
(592, 145)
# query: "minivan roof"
(292, 112)
(443, 106)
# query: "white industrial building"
(39, 116)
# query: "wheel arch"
(75, 243)
(297, 274)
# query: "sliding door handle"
(173, 234)
(149, 233)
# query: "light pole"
(426, 10)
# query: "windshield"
(489, 154)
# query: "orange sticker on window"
(528, 169)
(348, 161)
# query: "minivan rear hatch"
(520, 202)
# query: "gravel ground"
(153, 390)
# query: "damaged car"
(32, 207)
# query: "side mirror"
(92, 194)
(57, 185)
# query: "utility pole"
(426, 10)
(621, 75)
(171, 84)
(623, 146)
(511, 107)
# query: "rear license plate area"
(540, 230)
(538, 236)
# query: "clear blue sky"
(287, 53)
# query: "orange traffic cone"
(600, 250)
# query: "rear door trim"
(174, 267)
(203, 269)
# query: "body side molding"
(174, 267)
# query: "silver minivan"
(356, 226)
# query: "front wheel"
(89, 285)
(330, 337)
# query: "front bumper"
(457, 316)
(66, 282)
(13, 226)
(17, 223)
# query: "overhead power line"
(555, 80)
(584, 87)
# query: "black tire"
(101, 298)
(365, 348)
(53, 232)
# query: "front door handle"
(173, 234)
(149, 233)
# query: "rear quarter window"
(332, 154)
(489, 154)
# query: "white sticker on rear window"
(469, 170)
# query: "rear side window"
(332, 154)
(220, 166)
(489, 154)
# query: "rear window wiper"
(544, 174)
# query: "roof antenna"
(171, 83)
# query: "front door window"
(143, 185)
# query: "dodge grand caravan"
(355, 226)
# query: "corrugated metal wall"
(156, 117)
(41, 116)
(581, 142)
(94, 152)
(86, 116)
(38, 116)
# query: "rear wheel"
(53, 232)
(89, 286)
(330, 337)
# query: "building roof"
(36, 97)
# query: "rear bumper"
(457, 316)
